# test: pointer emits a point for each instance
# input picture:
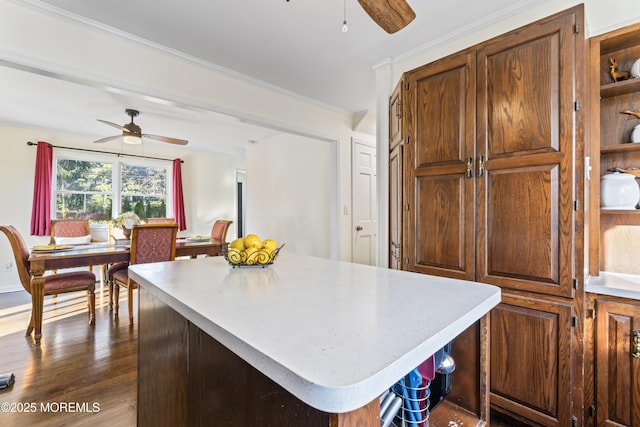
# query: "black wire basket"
(257, 258)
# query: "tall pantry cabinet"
(492, 181)
(396, 114)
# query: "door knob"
(359, 228)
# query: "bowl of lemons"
(251, 251)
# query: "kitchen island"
(305, 341)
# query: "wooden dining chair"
(53, 284)
(219, 230)
(161, 221)
(70, 231)
(111, 270)
(149, 243)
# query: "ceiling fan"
(132, 133)
(390, 15)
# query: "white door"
(364, 218)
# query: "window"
(99, 186)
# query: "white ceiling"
(295, 46)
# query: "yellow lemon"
(252, 241)
(270, 245)
(237, 244)
(251, 255)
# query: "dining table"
(73, 256)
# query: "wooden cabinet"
(613, 232)
(395, 208)
(531, 359)
(527, 141)
(483, 200)
(615, 361)
(440, 177)
(493, 184)
(395, 115)
(396, 188)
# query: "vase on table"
(127, 232)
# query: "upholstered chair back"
(153, 243)
(72, 231)
(219, 230)
(161, 221)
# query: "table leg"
(37, 300)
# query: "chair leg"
(116, 298)
(91, 297)
(110, 284)
(30, 327)
(130, 301)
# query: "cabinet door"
(525, 153)
(617, 370)
(395, 208)
(440, 193)
(531, 359)
(395, 116)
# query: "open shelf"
(620, 88)
(620, 148)
(620, 211)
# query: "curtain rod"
(106, 152)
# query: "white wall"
(290, 187)
(208, 184)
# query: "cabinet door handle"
(636, 343)
(481, 165)
(469, 167)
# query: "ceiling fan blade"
(166, 139)
(390, 15)
(122, 128)
(107, 139)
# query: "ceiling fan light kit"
(132, 133)
(132, 139)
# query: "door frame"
(241, 201)
(375, 209)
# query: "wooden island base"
(187, 378)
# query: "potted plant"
(126, 221)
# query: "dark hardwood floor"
(80, 375)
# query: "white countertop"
(334, 334)
(615, 284)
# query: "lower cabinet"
(615, 358)
(531, 359)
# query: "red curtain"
(178, 199)
(41, 207)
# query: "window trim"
(116, 161)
